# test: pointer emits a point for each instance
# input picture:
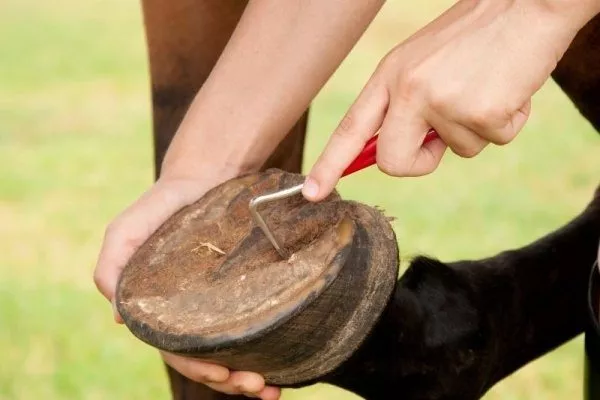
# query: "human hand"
(130, 230)
(470, 75)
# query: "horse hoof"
(208, 284)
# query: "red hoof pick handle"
(366, 158)
(368, 155)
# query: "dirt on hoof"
(209, 284)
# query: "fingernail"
(310, 188)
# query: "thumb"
(360, 123)
(133, 227)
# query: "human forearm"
(280, 55)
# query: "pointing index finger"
(360, 123)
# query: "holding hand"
(470, 75)
(129, 231)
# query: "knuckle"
(323, 167)
(481, 118)
(442, 100)
(465, 151)
(410, 80)
(501, 139)
(345, 127)
(493, 125)
(505, 135)
(192, 370)
(120, 233)
(387, 61)
(197, 376)
(429, 169)
(487, 117)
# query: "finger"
(516, 124)
(246, 382)
(114, 253)
(226, 388)
(360, 123)
(497, 127)
(428, 158)
(270, 393)
(239, 382)
(400, 150)
(129, 230)
(267, 393)
(196, 370)
(123, 236)
(461, 140)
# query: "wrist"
(209, 145)
(551, 25)
(186, 159)
(565, 7)
(573, 14)
(555, 22)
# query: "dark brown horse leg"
(453, 330)
(185, 38)
(578, 73)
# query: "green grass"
(75, 149)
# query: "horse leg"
(579, 77)
(184, 40)
(578, 74)
(453, 330)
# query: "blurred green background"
(75, 149)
